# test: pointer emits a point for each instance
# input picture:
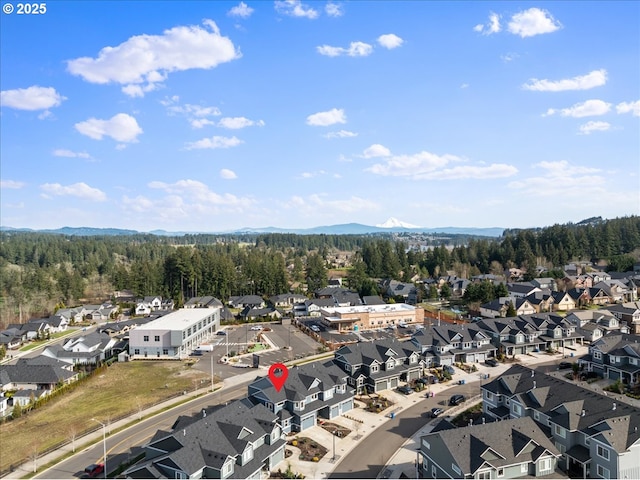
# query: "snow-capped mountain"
(393, 222)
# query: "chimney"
(614, 406)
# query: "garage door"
(346, 406)
(308, 422)
(394, 382)
(335, 411)
(381, 385)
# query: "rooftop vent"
(534, 384)
(614, 406)
(583, 413)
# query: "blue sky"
(212, 116)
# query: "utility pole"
(212, 389)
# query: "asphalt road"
(124, 445)
(371, 455)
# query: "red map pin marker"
(278, 373)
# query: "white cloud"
(80, 190)
(198, 116)
(120, 127)
(593, 79)
(509, 57)
(11, 184)
(464, 86)
(376, 150)
(228, 174)
(199, 193)
(560, 178)
(626, 107)
(590, 127)
(490, 28)
(241, 10)
(214, 142)
(589, 108)
(426, 165)
(235, 123)
(534, 21)
(333, 9)
(356, 49)
(142, 62)
(31, 98)
(324, 119)
(340, 134)
(295, 8)
(322, 204)
(390, 41)
(312, 174)
(61, 152)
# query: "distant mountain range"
(390, 226)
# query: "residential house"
(515, 448)
(522, 289)
(313, 306)
(499, 307)
(25, 397)
(372, 300)
(596, 436)
(563, 301)
(89, 349)
(530, 333)
(396, 289)
(240, 440)
(4, 405)
(267, 313)
(615, 356)
(628, 312)
(311, 392)
(606, 321)
(453, 343)
(32, 330)
(287, 300)
(379, 365)
(253, 301)
(600, 295)
(542, 301)
(12, 338)
(203, 302)
(38, 373)
(545, 283)
(346, 298)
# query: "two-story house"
(311, 392)
(615, 356)
(452, 343)
(515, 448)
(239, 440)
(597, 436)
(628, 312)
(379, 365)
(89, 349)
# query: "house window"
(165, 351)
(561, 432)
(602, 472)
(597, 355)
(136, 351)
(536, 415)
(156, 338)
(374, 368)
(180, 475)
(603, 452)
(501, 472)
(433, 471)
(517, 409)
(489, 395)
(544, 464)
(145, 338)
(486, 475)
(226, 470)
(524, 468)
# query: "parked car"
(196, 353)
(315, 328)
(405, 389)
(94, 469)
(449, 369)
(221, 332)
(456, 400)
(436, 411)
(492, 362)
(565, 365)
(256, 328)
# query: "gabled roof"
(364, 353)
(498, 444)
(571, 406)
(34, 372)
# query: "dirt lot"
(121, 389)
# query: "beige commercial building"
(368, 317)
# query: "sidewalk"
(402, 463)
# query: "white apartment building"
(175, 335)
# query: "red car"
(94, 469)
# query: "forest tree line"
(40, 270)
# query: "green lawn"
(38, 343)
(121, 389)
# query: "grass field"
(121, 389)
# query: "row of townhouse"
(530, 333)
(447, 344)
(616, 357)
(596, 436)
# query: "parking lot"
(315, 328)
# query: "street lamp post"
(104, 444)
(334, 445)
